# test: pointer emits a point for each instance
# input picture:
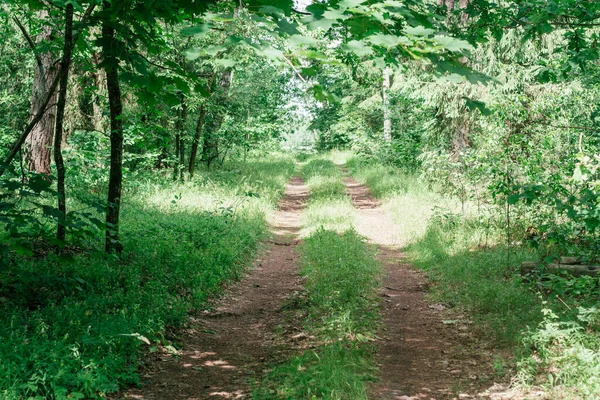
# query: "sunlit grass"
(70, 327)
(341, 277)
(330, 214)
(328, 207)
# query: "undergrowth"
(79, 327)
(550, 321)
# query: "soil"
(228, 348)
(424, 350)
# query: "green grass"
(74, 328)
(328, 207)
(462, 252)
(556, 341)
(341, 277)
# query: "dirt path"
(226, 349)
(423, 352)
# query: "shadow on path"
(225, 349)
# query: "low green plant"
(564, 355)
(341, 277)
(328, 207)
(78, 326)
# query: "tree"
(110, 63)
(60, 113)
(38, 144)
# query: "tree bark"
(199, 127)
(179, 143)
(387, 122)
(38, 145)
(58, 133)
(41, 111)
(111, 67)
(197, 134)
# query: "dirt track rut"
(419, 353)
(224, 350)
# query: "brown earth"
(228, 348)
(424, 351)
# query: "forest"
(296, 199)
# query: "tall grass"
(75, 328)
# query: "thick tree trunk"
(41, 111)
(111, 66)
(387, 122)
(38, 145)
(58, 133)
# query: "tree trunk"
(111, 67)
(197, 134)
(179, 143)
(41, 111)
(387, 122)
(177, 165)
(58, 133)
(38, 145)
(210, 143)
(460, 142)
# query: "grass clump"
(79, 327)
(342, 275)
(328, 207)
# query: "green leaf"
(419, 31)
(452, 44)
(513, 198)
(226, 62)
(302, 40)
(357, 47)
(196, 30)
(384, 40)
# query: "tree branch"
(301, 12)
(31, 44)
(295, 70)
(44, 105)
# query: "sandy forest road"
(420, 354)
(224, 350)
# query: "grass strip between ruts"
(341, 306)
